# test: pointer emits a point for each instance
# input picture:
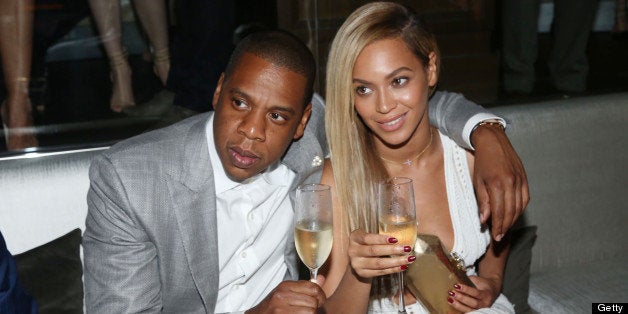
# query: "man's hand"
(500, 181)
(292, 297)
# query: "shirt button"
(243, 254)
(251, 216)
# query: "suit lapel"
(194, 199)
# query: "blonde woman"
(383, 66)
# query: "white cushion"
(43, 197)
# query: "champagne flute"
(397, 217)
(313, 225)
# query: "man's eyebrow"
(389, 76)
(289, 110)
(240, 93)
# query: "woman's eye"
(400, 81)
(362, 90)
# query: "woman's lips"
(393, 124)
(242, 158)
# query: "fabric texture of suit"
(150, 243)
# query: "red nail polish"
(407, 248)
(404, 267)
(392, 240)
(450, 300)
(411, 258)
(457, 286)
(451, 293)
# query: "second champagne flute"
(313, 225)
(397, 217)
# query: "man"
(197, 217)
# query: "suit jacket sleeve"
(121, 272)
(450, 112)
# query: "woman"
(16, 43)
(383, 66)
(153, 16)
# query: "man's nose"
(253, 126)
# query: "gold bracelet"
(489, 123)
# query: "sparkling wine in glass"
(313, 225)
(397, 217)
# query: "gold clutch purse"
(433, 274)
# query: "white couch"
(43, 196)
(575, 152)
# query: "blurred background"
(81, 73)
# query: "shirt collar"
(276, 174)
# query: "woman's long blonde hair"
(356, 166)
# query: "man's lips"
(393, 123)
(242, 158)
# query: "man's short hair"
(281, 49)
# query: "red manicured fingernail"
(392, 240)
(450, 300)
(404, 267)
(407, 248)
(411, 258)
(457, 286)
(451, 293)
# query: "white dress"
(470, 240)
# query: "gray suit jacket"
(150, 242)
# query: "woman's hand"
(466, 299)
(370, 255)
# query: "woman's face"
(391, 89)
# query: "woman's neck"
(410, 152)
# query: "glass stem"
(402, 304)
(313, 274)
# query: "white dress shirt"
(254, 218)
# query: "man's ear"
(306, 117)
(432, 73)
(218, 90)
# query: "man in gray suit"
(197, 217)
